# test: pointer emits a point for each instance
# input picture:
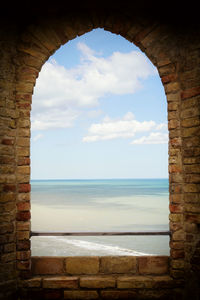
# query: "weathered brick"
(191, 188)
(82, 265)
(23, 169)
(193, 218)
(23, 255)
(120, 264)
(175, 253)
(175, 208)
(8, 141)
(190, 92)
(47, 265)
(24, 188)
(23, 216)
(192, 168)
(81, 295)
(61, 282)
(23, 235)
(177, 245)
(176, 217)
(168, 78)
(178, 235)
(20, 225)
(23, 265)
(118, 295)
(153, 264)
(23, 245)
(23, 206)
(134, 282)
(34, 282)
(178, 264)
(97, 282)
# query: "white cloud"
(38, 137)
(110, 129)
(56, 118)
(59, 89)
(153, 138)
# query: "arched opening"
(103, 120)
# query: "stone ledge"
(100, 282)
(60, 282)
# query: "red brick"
(9, 188)
(175, 208)
(24, 188)
(190, 92)
(168, 78)
(23, 216)
(24, 161)
(7, 141)
(175, 169)
(23, 206)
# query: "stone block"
(23, 265)
(118, 295)
(82, 265)
(81, 295)
(176, 253)
(178, 235)
(61, 282)
(23, 255)
(47, 265)
(117, 265)
(97, 282)
(34, 282)
(193, 218)
(134, 282)
(153, 265)
(23, 235)
(191, 188)
(176, 217)
(23, 226)
(177, 264)
(23, 169)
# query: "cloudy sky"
(99, 111)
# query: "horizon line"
(113, 178)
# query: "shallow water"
(100, 205)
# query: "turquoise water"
(100, 205)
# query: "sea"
(106, 205)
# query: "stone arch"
(41, 40)
(176, 56)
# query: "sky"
(99, 111)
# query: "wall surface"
(28, 37)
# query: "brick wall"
(99, 278)
(173, 47)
